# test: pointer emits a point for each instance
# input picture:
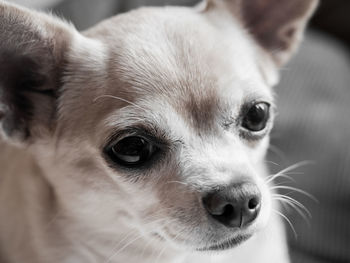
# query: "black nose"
(234, 206)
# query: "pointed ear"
(33, 51)
(276, 25)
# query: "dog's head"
(157, 119)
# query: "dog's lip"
(230, 243)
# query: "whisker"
(178, 182)
(276, 164)
(147, 244)
(150, 241)
(301, 212)
(161, 252)
(295, 202)
(288, 221)
(123, 247)
(296, 190)
(297, 165)
(118, 98)
(116, 252)
(128, 235)
(279, 153)
(270, 179)
(288, 169)
(165, 245)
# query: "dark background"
(333, 17)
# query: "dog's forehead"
(179, 56)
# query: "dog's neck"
(26, 205)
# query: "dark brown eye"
(132, 152)
(256, 117)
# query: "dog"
(143, 138)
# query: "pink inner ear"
(276, 24)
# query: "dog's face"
(157, 119)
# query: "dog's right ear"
(277, 26)
(33, 51)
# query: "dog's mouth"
(228, 244)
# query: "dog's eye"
(132, 151)
(256, 117)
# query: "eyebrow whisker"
(118, 98)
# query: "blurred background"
(313, 122)
(333, 16)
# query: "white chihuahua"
(143, 138)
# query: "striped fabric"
(314, 124)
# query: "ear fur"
(276, 25)
(33, 51)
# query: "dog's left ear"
(276, 25)
(33, 49)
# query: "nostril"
(228, 211)
(231, 215)
(253, 203)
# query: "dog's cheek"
(258, 150)
(180, 205)
(185, 212)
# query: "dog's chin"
(217, 245)
(226, 244)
